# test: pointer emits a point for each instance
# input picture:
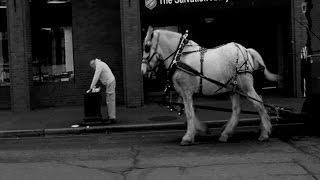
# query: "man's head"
(93, 63)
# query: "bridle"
(148, 47)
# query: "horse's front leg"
(188, 138)
(186, 95)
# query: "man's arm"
(96, 76)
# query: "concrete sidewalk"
(61, 119)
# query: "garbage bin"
(92, 107)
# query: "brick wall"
(55, 94)
(299, 40)
(96, 33)
(19, 41)
(131, 44)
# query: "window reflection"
(4, 60)
(52, 42)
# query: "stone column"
(131, 52)
(19, 40)
(299, 40)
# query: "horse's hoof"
(263, 138)
(223, 138)
(264, 135)
(186, 143)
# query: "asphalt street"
(158, 155)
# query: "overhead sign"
(188, 1)
(151, 4)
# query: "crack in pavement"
(135, 153)
(88, 167)
(182, 170)
(292, 144)
(183, 167)
(306, 169)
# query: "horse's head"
(151, 51)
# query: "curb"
(22, 133)
(253, 122)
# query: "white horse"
(220, 64)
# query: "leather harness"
(177, 64)
(202, 52)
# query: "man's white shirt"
(102, 72)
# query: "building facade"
(46, 45)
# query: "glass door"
(4, 59)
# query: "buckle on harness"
(182, 43)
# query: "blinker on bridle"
(147, 49)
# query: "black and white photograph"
(160, 89)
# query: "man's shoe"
(112, 121)
(109, 121)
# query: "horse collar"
(202, 52)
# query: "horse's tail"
(258, 61)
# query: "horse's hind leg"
(265, 119)
(246, 84)
(232, 123)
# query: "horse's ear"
(149, 33)
(150, 29)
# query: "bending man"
(105, 75)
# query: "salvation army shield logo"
(150, 4)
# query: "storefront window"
(4, 60)
(52, 42)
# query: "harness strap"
(245, 64)
(225, 85)
(176, 58)
(202, 52)
(186, 68)
(175, 53)
(182, 42)
(189, 52)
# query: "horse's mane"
(169, 32)
(175, 35)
